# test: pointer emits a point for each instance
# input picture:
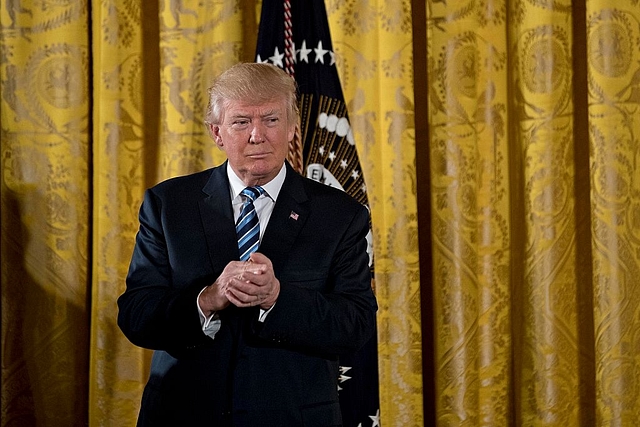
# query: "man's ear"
(214, 130)
(292, 132)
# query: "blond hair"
(257, 82)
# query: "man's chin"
(263, 172)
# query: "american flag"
(294, 35)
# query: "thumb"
(259, 258)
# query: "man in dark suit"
(250, 342)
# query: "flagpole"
(295, 146)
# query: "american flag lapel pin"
(293, 216)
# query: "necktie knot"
(252, 193)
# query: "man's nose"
(257, 133)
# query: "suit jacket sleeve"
(158, 309)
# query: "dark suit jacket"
(282, 372)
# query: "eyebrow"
(267, 114)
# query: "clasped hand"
(243, 284)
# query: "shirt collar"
(271, 188)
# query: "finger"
(240, 299)
(251, 267)
(251, 282)
(246, 289)
(260, 258)
(245, 284)
(236, 267)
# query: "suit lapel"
(217, 219)
(287, 219)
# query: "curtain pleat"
(469, 149)
(120, 170)
(373, 45)
(45, 191)
(614, 100)
(547, 376)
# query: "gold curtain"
(531, 165)
(533, 147)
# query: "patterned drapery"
(530, 155)
(533, 146)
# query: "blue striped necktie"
(247, 227)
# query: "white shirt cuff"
(211, 324)
(263, 313)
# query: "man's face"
(255, 139)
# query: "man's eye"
(239, 124)
(272, 121)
